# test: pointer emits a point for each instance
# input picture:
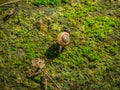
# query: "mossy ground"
(90, 62)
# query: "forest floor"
(90, 62)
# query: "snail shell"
(63, 38)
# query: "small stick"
(40, 63)
(34, 74)
(9, 2)
(51, 79)
(41, 83)
(45, 84)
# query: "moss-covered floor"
(90, 62)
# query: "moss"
(90, 61)
(99, 27)
(85, 51)
(79, 10)
(94, 56)
(49, 2)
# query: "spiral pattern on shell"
(63, 38)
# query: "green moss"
(79, 10)
(49, 2)
(85, 51)
(94, 56)
(112, 49)
(99, 27)
(25, 84)
(93, 52)
(2, 35)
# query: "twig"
(45, 84)
(9, 2)
(34, 74)
(39, 63)
(51, 79)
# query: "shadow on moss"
(52, 52)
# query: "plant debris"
(9, 14)
(38, 63)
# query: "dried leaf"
(38, 63)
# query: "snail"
(63, 39)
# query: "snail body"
(63, 39)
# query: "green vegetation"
(49, 2)
(99, 27)
(90, 62)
